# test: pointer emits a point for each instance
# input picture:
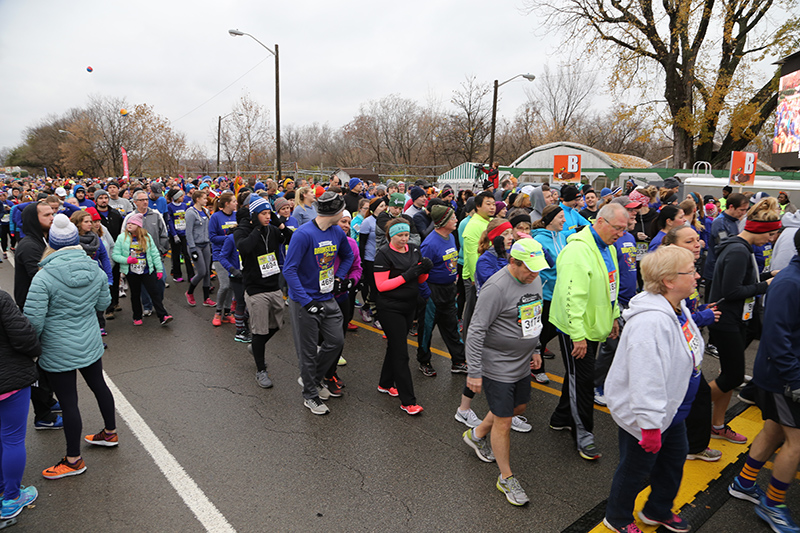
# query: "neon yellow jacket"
(581, 305)
(472, 235)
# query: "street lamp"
(237, 33)
(529, 77)
(219, 133)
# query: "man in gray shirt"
(501, 342)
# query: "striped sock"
(749, 473)
(776, 493)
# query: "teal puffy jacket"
(62, 304)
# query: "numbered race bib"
(326, 280)
(641, 249)
(613, 283)
(138, 268)
(268, 264)
(530, 316)
(180, 221)
(747, 311)
(692, 340)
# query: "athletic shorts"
(778, 408)
(504, 397)
(266, 311)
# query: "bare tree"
(561, 99)
(470, 122)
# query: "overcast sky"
(175, 55)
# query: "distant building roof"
(542, 157)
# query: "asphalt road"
(252, 459)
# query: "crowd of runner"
(621, 282)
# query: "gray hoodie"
(784, 249)
(537, 204)
(649, 377)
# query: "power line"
(222, 91)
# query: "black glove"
(413, 273)
(338, 286)
(313, 307)
(426, 265)
(236, 273)
(499, 243)
(350, 283)
(794, 395)
(195, 257)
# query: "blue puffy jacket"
(552, 242)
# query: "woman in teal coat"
(62, 303)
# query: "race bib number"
(268, 264)
(530, 316)
(180, 221)
(326, 280)
(691, 339)
(228, 227)
(747, 310)
(138, 268)
(613, 283)
(641, 249)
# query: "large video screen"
(786, 143)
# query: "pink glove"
(159, 275)
(132, 260)
(651, 440)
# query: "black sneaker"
(458, 368)
(427, 369)
(413, 332)
(547, 354)
(333, 387)
(589, 452)
(243, 336)
(712, 351)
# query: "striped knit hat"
(258, 204)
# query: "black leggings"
(395, 371)
(154, 289)
(731, 346)
(65, 385)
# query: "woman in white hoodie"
(650, 388)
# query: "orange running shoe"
(230, 319)
(102, 439)
(217, 320)
(65, 469)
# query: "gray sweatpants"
(306, 330)
(202, 266)
(225, 293)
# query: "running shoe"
(673, 523)
(414, 331)
(316, 406)
(166, 320)
(358, 304)
(481, 446)
(11, 508)
(351, 326)
(333, 388)
(102, 439)
(262, 378)
(365, 315)
(58, 423)
(712, 351)
(217, 320)
(103, 332)
(540, 377)
(599, 396)
(391, 391)
(468, 418)
(778, 517)
(56, 408)
(338, 381)
(547, 354)
(459, 368)
(108, 315)
(190, 299)
(520, 423)
(229, 319)
(726, 433)
(744, 398)
(513, 491)
(324, 394)
(208, 302)
(752, 495)
(341, 362)
(708, 455)
(177, 280)
(560, 427)
(377, 324)
(137, 322)
(630, 528)
(242, 336)
(412, 409)
(427, 370)
(65, 469)
(147, 312)
(589, 452)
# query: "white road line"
(11, 259)
(205, 511)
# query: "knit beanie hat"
(440, 214)
(329, 204)
(280, 202)
(416, 192)
(63, 233)
(569, 193)
(137, 220)
(258, 204)
(397, 199)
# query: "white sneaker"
(318, 408)
(469, 418)
(342, 361)
(541, 377)
(520, 423)
(599, 398)
(322, 392)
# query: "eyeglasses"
(618, 229)
(686, 273)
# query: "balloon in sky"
(123, 112)
(89, 69)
